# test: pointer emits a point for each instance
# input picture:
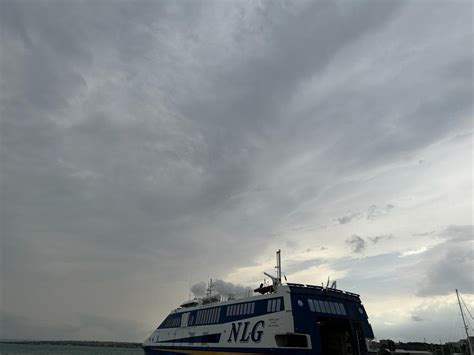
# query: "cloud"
(378, 238)
(359, 244)
(415, 318)
(356, 243)
(303, 265)
(78, 327)
(449, 264)
(220, 287)
(374, 212)
(139, 137)
(348, 218)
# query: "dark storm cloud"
(138, 137)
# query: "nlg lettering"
(242, 333)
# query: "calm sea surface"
(24, 349)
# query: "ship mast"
(276, 280)
(464, 322)
(278, 266)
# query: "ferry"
(280, 318)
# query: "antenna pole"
(464, 322)
(278, 266)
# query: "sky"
(148, 146)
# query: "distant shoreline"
(108, 344)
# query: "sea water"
(25, 349)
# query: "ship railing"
(320, 288)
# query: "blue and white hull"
(295, 319)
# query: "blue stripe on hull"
(154, 350)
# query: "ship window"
(321, 305)
(316, 306)
(291, 340)
(338, 309)
(246, 307)
(343, 309)
(311, 305)
(278, 302)
(269, 306)
(218, 314)
(327, 306)
(252, 308)
(227, 311)
(233, 311)
(333, 308)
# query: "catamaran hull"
(227, 351)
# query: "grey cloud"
(74, 329)
(199, 289)
(356, 243)
(374, 212)
(423, 234)
(303, 265)
(378, 238)
(359, 244)
(449, 264)
(220, 287)
(433, 327)
(348, 218)
(138, 137)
